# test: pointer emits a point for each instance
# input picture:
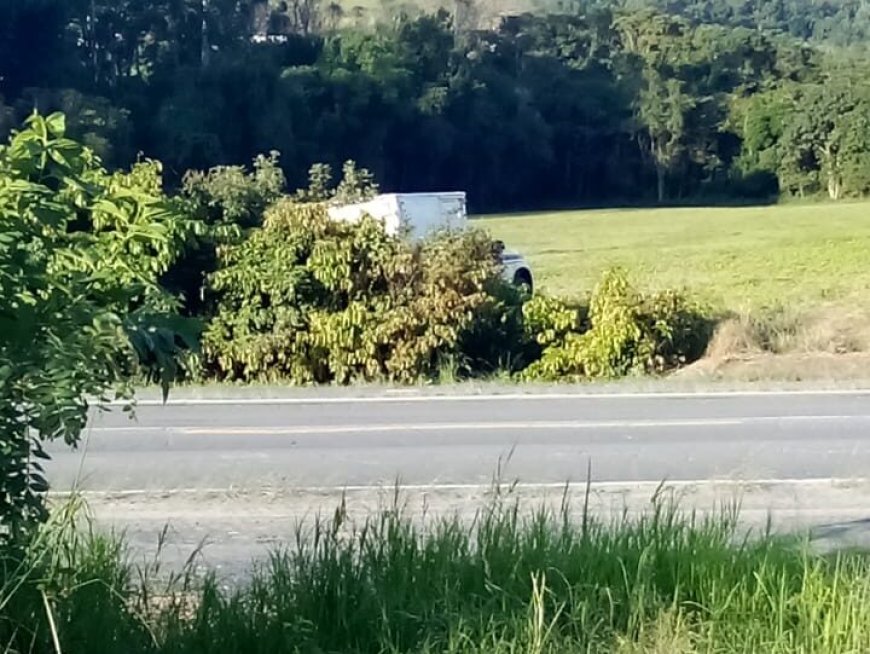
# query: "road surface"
(241, 472)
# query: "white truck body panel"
(415, 215)
(418, 215)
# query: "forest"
(842, 23)
(597, 102)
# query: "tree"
(824, 143)
(661, 111)
(33, 50)
(80, 308)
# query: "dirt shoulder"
(820, 369)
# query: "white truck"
(417, 215)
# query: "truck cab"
(515, 269)
(417, 215)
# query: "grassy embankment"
(792, 278)
(534, 584)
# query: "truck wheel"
(523, 281)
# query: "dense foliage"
(838, 22)
(80, 307)
(307, 299)
(624, 333)
(609, 100)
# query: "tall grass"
(513, 581)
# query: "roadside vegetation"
(517, 580)
(787, 284)
(308, 300)
(231, 278)
(118, 270)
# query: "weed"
(515, 580)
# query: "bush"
(80, 306)
(227, 200)
(356, 185)
(548, 320)
(627, 333)
(311, 300)
(497, 342)
(232, 194)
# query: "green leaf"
(56, 124)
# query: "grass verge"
(514, 581)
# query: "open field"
(736, 259)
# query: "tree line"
(596, 103)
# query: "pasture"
(736, 259)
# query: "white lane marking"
(605, 486)
(496, 397)
(291, 430)
(133, 430)
(455, 426)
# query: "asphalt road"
(241, 474)
(443, 441)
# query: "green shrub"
(227, 201)
(549, 320)
(356, 185)
(497, 341)
(311, 300)
(627, 333)
(80, 307)
(232, 194)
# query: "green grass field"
(734, 258)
